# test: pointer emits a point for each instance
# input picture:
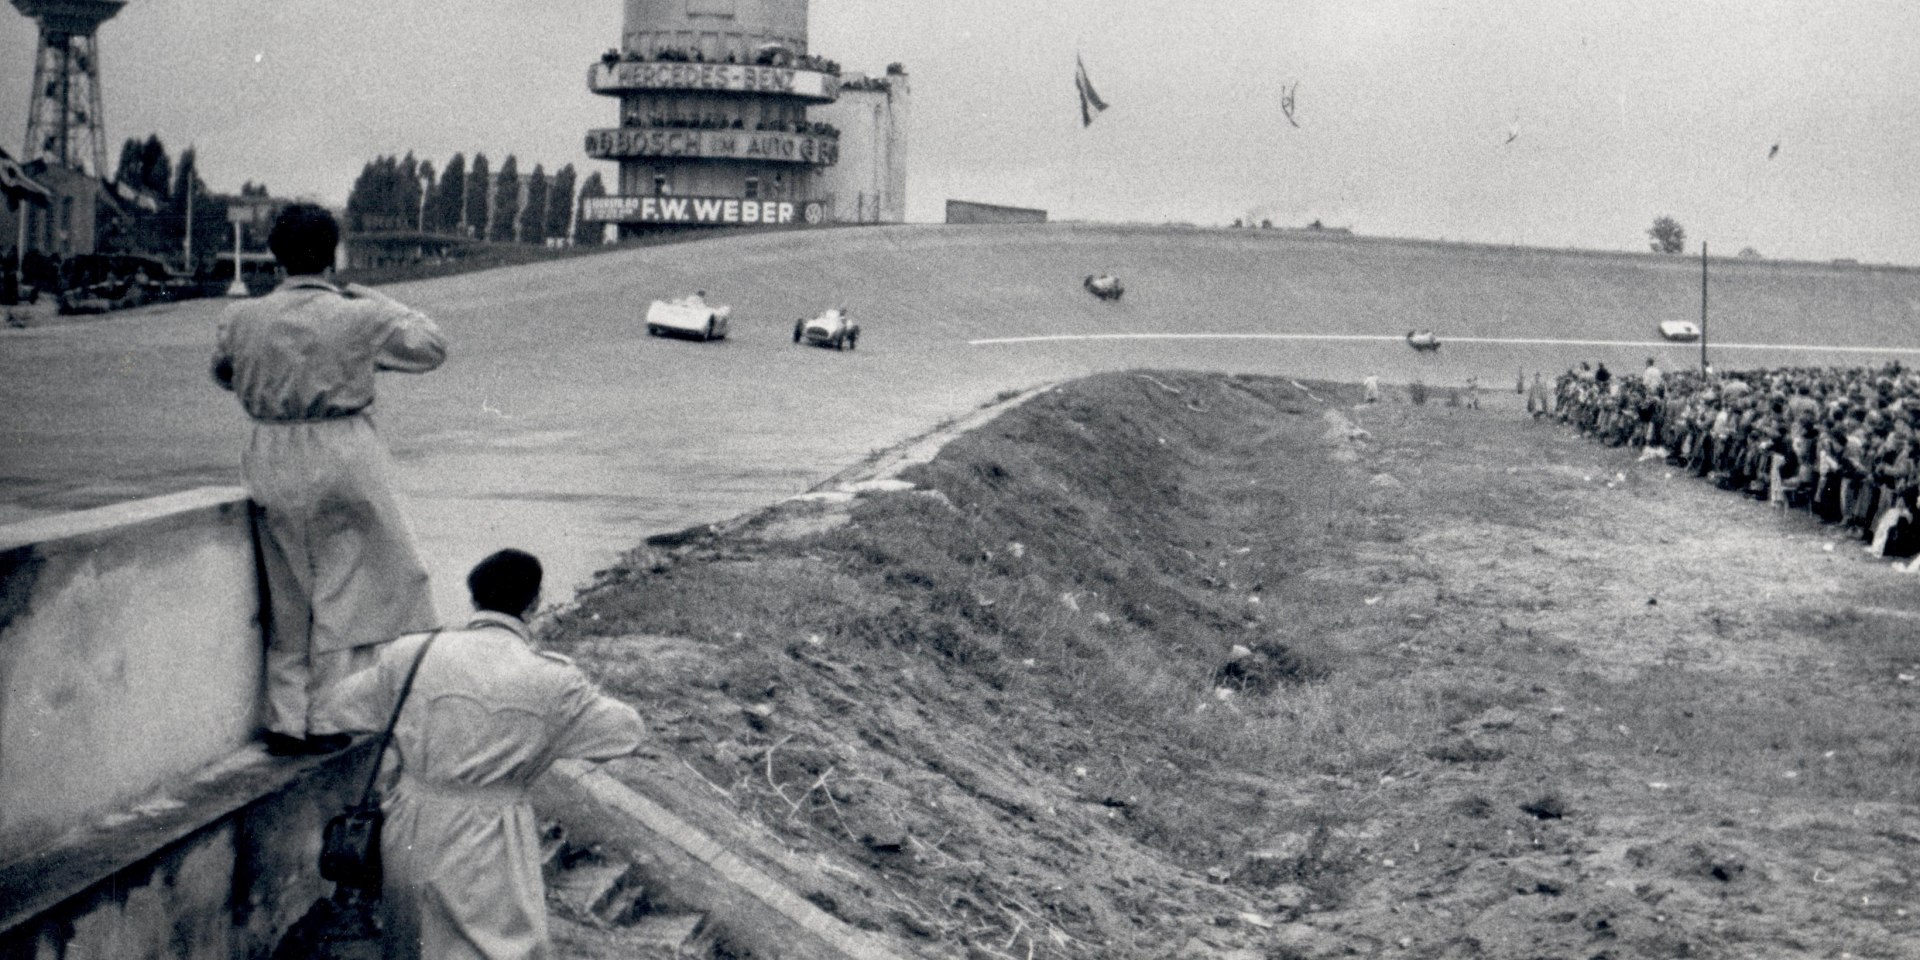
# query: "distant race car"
(830, 329)
(1105, 286)
(1680, 330)
(689, 317)
(1422, 340)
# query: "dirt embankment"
(1172, 665)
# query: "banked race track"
(561, 427)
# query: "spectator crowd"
(772, 55)
(1842, 443)
(713, 121)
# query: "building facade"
(715, 126)
(869, 184)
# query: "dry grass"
(1208, 622)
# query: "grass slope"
(1166, 664)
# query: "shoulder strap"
(386, 736)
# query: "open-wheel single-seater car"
(1680, 330)
(830, 329)
(688, 316)
(1106, 286)
(1422, 340)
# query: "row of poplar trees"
(470, 200)
(165, 198)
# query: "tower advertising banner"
(732, 77)
(615, 143)
(719, 211)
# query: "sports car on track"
(1422, 340)
(1679, 330)
(1105, 286)
(689, 316)
(830, 329)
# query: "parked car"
(689, 316)
(830, 329)
(1680, 330)
(1106, 286)
(99, 282)
(1422, 340)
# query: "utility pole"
(1703, 307)
(186, 251)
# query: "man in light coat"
(341, 570)
(487, 715)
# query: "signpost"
(240, 214)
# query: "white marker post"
(239, 214)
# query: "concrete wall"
(137, 818)
(966, 211)
(130, 655)
(215, 867)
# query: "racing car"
(1680, 330)
(1422, 340)
(830, 329)
(688, 316)
(1105, 286)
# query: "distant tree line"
(401, 194)
(158, 200)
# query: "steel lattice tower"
(64, 122)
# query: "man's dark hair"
(304, 237)
(506, 582)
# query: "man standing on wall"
(342, 573)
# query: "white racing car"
(830, 329)
(1680, 330)
(1105, 286)
(688, 316)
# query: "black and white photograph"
(1012, 480)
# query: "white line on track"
(1357, 337)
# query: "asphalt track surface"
(559, 426)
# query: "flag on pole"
(1090, 102)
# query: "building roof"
(17, 185)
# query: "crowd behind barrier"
(717, 122)
(764, 58)
(1841, 443)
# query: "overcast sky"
(1625, 109)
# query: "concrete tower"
(713, 117)
(64, 122)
